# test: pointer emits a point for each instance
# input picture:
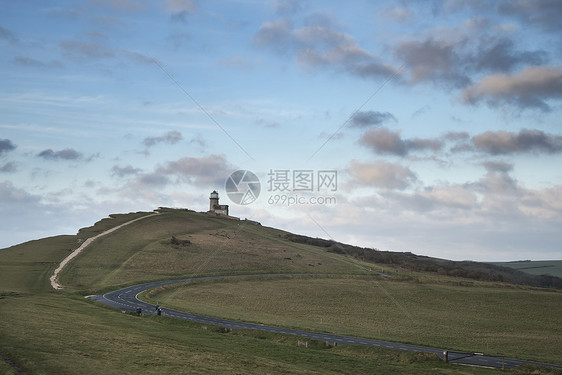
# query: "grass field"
(51, 334)
(511, 322)
(536, 267)
(47, 332)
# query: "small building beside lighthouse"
(215, 207)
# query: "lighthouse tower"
(213, 200)
(214, 206)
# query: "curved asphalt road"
(126, 299)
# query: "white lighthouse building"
(214, 206)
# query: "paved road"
(126, 299)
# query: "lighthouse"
(215, 207)
(213, 200)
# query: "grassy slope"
(219, 246)
(514, 322)
(26, 268)
(60, 334)
(536, 267)
(52, 332)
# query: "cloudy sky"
(440, 119)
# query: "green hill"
(412, 262)
(535, 267)
(215, 245)
(43, 331)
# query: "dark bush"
(177, 242)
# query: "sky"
(425, 126)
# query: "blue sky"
(440, 118)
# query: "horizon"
(333, 239)
(430, 127)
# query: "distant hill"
(464, 269)
(535, 267)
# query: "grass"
(513, 322)
(536, 267)
(219, 246)
(46, 331)
(54, 333)
(26, 268)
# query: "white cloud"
(171, 137)
(381, 174)
(385, 141)
(534, 86)
(26, 216)
(505, 142)
(319, 45)
(66, 154)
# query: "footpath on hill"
(53, 278)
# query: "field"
(536, 267)
(50, 334)
(484, 318)
(44, 331)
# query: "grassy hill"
(144, 251)
(535, 267)
(44, 331)
(501, 272)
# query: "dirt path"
(53, 278)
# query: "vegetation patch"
(177, 242)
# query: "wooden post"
(503, 363)
(446, 356)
